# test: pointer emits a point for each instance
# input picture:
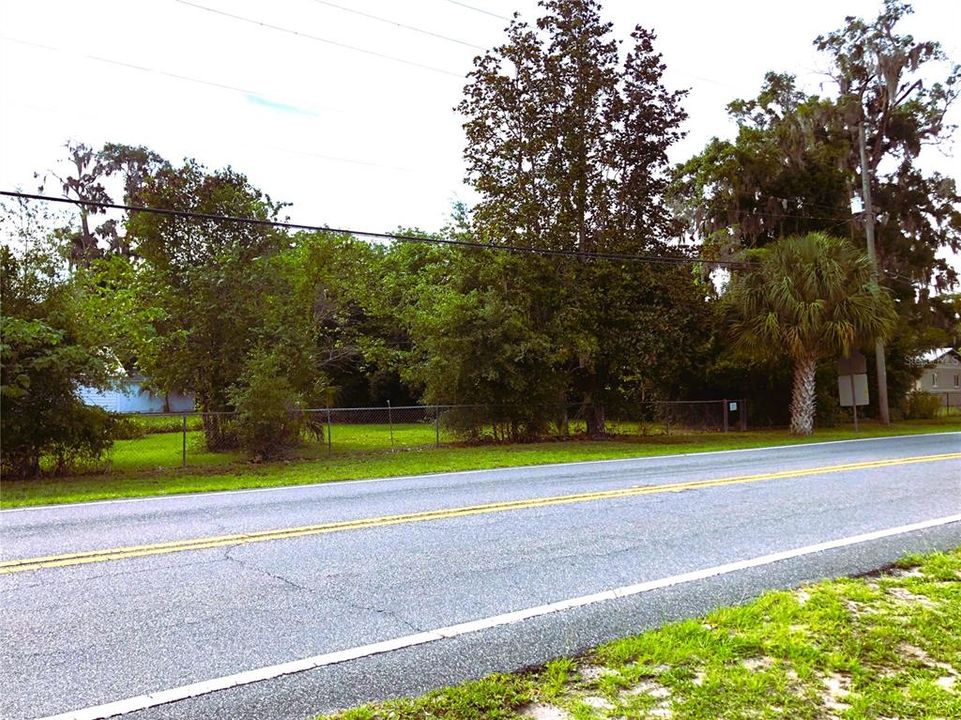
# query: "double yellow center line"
(208, 543)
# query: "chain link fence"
(171, 440)
(952, 403)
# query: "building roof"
(932, 356)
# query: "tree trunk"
(802, 397)
(212, 434)
(596, 420)
(213, 424)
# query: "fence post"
(328, 431)
(183, 462)
(437, 426)
(726, 418)
(854, 402)
(390, 422)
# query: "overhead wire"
(478, 10)
(318, 38)
(146, 69)
(224, 86)
(450, 242)
(102, 118)
(388, 21)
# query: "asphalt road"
(105, 630)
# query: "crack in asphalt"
(172, 565)
(263, 571)
(325, 594)
(392, 614)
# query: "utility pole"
(883, 410)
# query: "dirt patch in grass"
(542, 711)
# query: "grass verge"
(366, 458)
(886, 646)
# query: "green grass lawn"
(163, 423)
(165, 450)
(149, 466)
(158, 451)
(885, 646)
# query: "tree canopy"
(567, 147)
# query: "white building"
(942, 375)
(130, 396)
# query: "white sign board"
(860, 389)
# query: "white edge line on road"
(142, 702)
(576, 463)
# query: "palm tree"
(812, 297)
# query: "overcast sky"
(346, 116)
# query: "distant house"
(129, 396)
(942, 375)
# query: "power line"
(261, 146)
(317, 38)
(479, 10)
(143, 68)
(400, 25)
(546, 252)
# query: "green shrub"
(43, 417)
(268, 420)
(150, 424)
(513, 423)
(921, 405)
(85, 434)
(127, 428)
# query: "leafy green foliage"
(45, 355)
(920, 405)
(795, 161)
(340, 330)
(42, 414)
(268, 421)
(900, 88)
(481, 336)
(783, 175)
(209, 281)
(566, 145)
(810, 298)
(213, 294)
(795, 164)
